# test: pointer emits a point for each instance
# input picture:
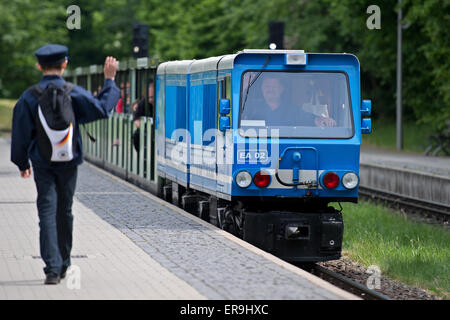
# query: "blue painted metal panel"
(171, 105)
(196, 112)
(332, 154)
(175, 119)
(209, 108)
(192, 98)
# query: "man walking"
(55, 177)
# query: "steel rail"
(342, 282)
(424, 207)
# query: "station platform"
(406, 174)
(439, 166)
(129, 244)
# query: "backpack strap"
(88, 134)
(68, 87)
(37, 91)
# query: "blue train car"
(260, 142)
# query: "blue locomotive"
(260, 142)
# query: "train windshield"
(297, 104)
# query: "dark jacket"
(141, 112)
(86, 108)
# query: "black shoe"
(62, 275)
(52, 278)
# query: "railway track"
(425, 208)
(342, 282)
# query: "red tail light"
(331, 180)
(261, 179)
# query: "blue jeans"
(55, 190)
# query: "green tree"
(106, 29)
(183, 29)
(428, 83)
(25, 25)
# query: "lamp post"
(399, 78)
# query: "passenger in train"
(119, 106)
(142, 111)
(97, 91)
(314, 96)
(277, 109)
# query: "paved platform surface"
(439, 166)
(129, 244)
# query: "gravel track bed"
(389, 287)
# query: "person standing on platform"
(56, 152)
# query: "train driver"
(277, 111)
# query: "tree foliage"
(184, 29)
(24, 25)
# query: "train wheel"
(213, 214)
(160, 187)
(189, 202)
(177, 193)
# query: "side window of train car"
(228, 94)
(219, 92)
(224, 92)
(228, 88)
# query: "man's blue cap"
(52, 54)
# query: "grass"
(414, 253)
(6, 112)
(415, 137)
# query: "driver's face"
(272, 90)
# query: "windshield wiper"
(252, 82)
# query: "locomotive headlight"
(297, 59)
(350, 180)
(243, 179)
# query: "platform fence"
(113, 148)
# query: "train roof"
(220, 62)
(195, 66)
(178, 67)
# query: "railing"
(113, 149)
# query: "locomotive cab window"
(298, 104)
